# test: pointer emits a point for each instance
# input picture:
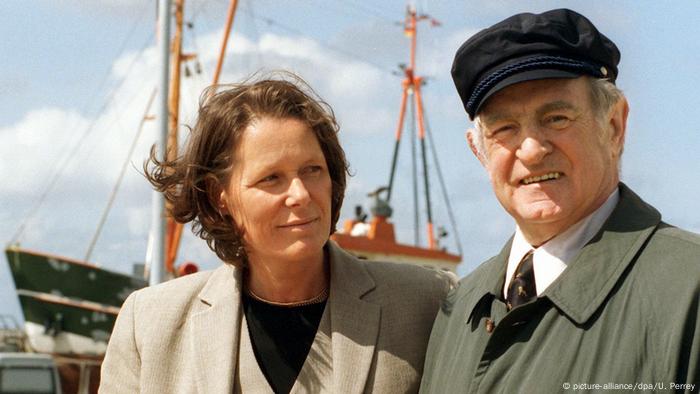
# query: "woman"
(262, 179)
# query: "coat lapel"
(214, 330)
(585, 285)
(354, 322)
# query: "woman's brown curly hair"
(190, 182)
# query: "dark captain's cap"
(555, 44)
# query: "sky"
(75, 78)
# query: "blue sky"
(72, 68)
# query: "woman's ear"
(217, 195)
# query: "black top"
(281, 338)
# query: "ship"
(375, 238)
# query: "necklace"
(317, 299)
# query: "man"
(593, 291)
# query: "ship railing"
(12, 337)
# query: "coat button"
(489, 326)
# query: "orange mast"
(174, 229)
(411, 86)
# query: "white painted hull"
(62, 343)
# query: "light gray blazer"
(185, 336)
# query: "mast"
(175, 228)
(158, 200)
(411, 85)
(227, 31)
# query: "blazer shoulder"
(174, 295)
(410, 277)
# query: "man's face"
(551, 161)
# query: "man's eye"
(558, 121)
(500, 131)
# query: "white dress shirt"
(551, 258)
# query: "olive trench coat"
(624, 316)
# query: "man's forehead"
(535, 97)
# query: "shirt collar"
(551, 258)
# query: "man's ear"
(617, 122)
(471, 136)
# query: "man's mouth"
(541, 178)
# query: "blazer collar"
(354, 321)
(588, 280)
(214, 330)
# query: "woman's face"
(279, 192)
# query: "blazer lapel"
(214, 331)
(354, 322)
(316, 375)
(249, 377)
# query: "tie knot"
(522, 287)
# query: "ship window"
(26, 380)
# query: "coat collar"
(214, 330)
(583, 287)
(354, 321)
(588, 280)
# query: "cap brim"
(524, 76)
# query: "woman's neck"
(287, 282)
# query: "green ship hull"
(69, 306)
(42, 273)
(59, 325)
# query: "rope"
(443, 188)
(115, 189)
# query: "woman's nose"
(297, 194)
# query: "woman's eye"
(312, 170)
(268, 179)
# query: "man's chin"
(539, 212)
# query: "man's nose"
(297, 194)
(534, 147)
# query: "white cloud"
(29, 148)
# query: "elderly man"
(593, 291)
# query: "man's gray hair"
(604, 94)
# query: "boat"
(69, 306)
(376, 239)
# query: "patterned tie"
(522, 287)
